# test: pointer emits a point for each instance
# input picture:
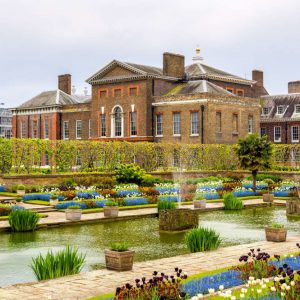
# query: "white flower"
(242, 295)
(244, 291)
(194, 298)
(273, 288)
(292, 283)
(251, 278)
(282, 294)
(266, 280)
(263, 286)
(287, 287)
(259, 291)
(211, 291)
(276, 279)
(221, 287)
(232, 297)
(200, 296)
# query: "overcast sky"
(41, 39)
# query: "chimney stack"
(173, 65)
(258, 76)
(294, 87)
(64, 83)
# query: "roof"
(82, 98)
(49, 98)
(198, 87)
(201, 71)
(288, 103)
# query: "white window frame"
(112, 122)
(265, 113)
(279, 139)
(250, 124)
(64, 130)
(175, 122)
(297, 106)
(102, 123)
(23, 135)
(46, 121)
(278, 107)
(34, 136)
(161, 116)
(131, 123)
(77, 136)
(194, 129)
(292, 133)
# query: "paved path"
(87, 285)
(58, 218)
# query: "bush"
(106, 183)
(120, 247)
(68, 195)
(21, 187)
(232, 203)
(202, 239)
(165, 204)
(262, 177)
(130, 173)
(149, 181)
(53, 265)
(5, 210)
(23, 220)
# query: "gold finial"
(197, 57)
(198, 51)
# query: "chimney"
(294, 87)
(64, 83)
(173, 65)
(258, 76)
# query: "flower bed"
(43, 197)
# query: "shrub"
(120, 247)
(68, 195)
(5, 210)
(74, 207)
(105, 183)
(21, 187)
(262, 177)
(233, 177)
(53, 265)
(277, 225)
(108, 193)
(232, 203)
(130, 173)
(198, 197)
(149, 180)
(53, 196)
(111, 203)
(23, 220)
(202, 239)
(165, 204)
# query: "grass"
(9, 194)
(202, 239)
(5, 218)
(65, 262)
(232, 203)
(165, 204)
(38, 202)
(23, 220)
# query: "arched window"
(117, 122)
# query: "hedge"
(23, 156)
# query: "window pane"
(277, 134)
(133, 123)
(250, 124)
(66, 130)
(132, 91)
(34, 129)
(78, 129)
(118, 122)
(159, 124)
(218, 122)
(194, 123)
(46, 129)
(235, 123)
(176, 123)
(295, 133)
(102, 125)
(263, 131)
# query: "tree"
(255, 153)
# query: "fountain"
(181, 218)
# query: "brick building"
(191, 104)
(280, 116)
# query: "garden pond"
(235, 227)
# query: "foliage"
(255, 153)
(68, 195)
(149, 181)
(277, 225)
(65, 262)
(232, 203)
(53, 196)
(105, 183)
(262, 177)
(5, 210)
(21, 187)
(111, 203)
(119, 246)
(165, 204)
(160, 286)
(198, 197)
(23, 220)
(74, 207)
(129, 173)
(202, 239)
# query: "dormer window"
(280, 109)
(297, 109)
(265, 110)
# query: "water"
(17, 249)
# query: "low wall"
(46, 179)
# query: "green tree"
(255, 153)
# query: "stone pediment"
(118, 71)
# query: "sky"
(42, 39)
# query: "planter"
(268, 197)
(53, 202)
(73, 214)
(276, 234)
(119, 261)
(111, 211)
(21, 192)
(293, 207)
(199, 203)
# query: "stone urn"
(276, 234)
(268, 198)
(21, 192)
(119, 260)
(111, 211)
(200, 203)
(73, 214)
(53, 202)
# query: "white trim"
(179, 102)
(279, 140)
(112, 122)
(77, 137)
(294, 141)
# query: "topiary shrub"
(231, 202)
(130, 173)
(21, 220)
(202, 239)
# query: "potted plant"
(199, 202)
(21, 189)
(269, 197)
(53, 199)
(119, 257)
(276, 233)
(73, 213)
(111, 209)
